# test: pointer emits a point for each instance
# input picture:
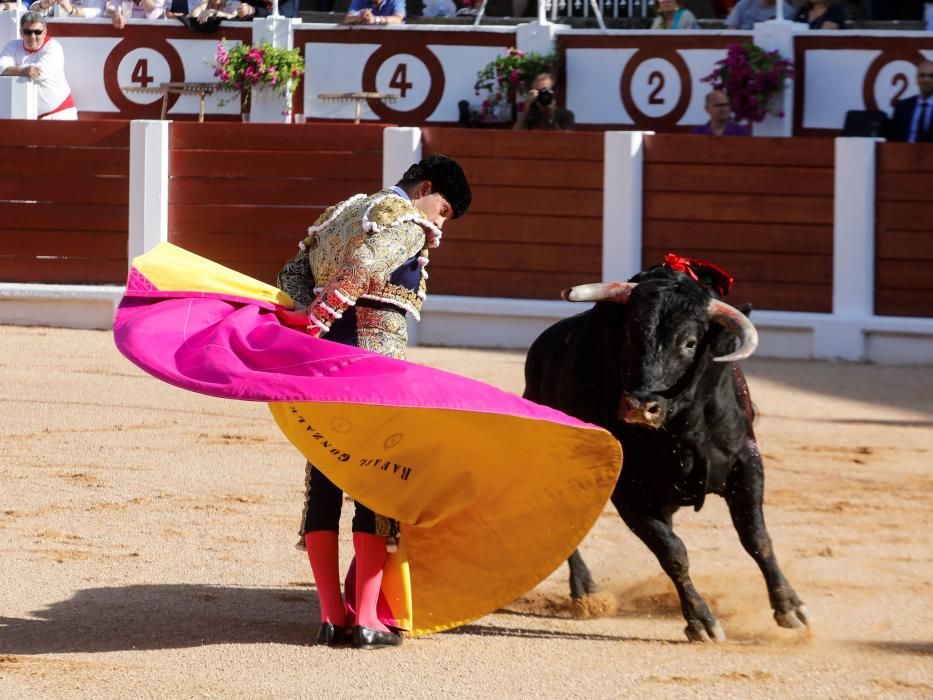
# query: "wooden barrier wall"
(761, 208)
(535, 226)
(64, 201)
(904, 230)
(244, 195)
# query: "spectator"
(215, 9)
(821, 14)
(263, 8)
(12, 6)
(672, 15)
(179, 8)
(376, 12)
(540, 109)
(720, 117)
(90, 9)
(439, 8)
(137, 9)
(913, 117)
(40, 58)
(747, 12)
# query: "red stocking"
(322, 553)
(370, 559)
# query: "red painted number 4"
(399, 79)
(141, 73)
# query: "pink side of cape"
(238, 348)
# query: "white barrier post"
(401, 147)
(538, 37)
(623, 180)
(266, 105)
(853, 252)
(778, 35)
(148, 186)
(18, 98)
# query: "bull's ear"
(746, 310)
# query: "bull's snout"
(648, 412)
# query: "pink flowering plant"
(752, 78)
(503, 80)
(243, 67)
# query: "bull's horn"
(618, 292)
(738, 323)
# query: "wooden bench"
(358, 98)
(202, 90)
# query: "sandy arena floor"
(146, 551)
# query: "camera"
(545, 97)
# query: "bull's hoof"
(594, 605)
(699, 631)
(794, 619)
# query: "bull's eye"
(690, 343)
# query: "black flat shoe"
(368, 638)
(332, 635)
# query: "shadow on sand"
(163, 617)
(174, 616)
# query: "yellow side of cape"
(489, 504)
(174, 269)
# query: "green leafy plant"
(244, 67)
(507, 77)
(752, 78)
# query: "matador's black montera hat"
(446, 177)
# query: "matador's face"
(433, 205)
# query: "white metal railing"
(615, 9)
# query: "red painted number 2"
(399, 80)
(902, 81)
(141, 73)
(656, 77)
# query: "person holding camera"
(540, 110)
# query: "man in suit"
(913, 117)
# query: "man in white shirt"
(39, 57)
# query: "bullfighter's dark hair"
(446, 177)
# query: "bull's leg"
(744, 493)
(654, 528)
(581, 581)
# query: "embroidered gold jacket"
(356, 250)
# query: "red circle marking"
(420, 113)
(128, 108)
(882, 60)
(672, 118)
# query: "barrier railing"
(795, 221)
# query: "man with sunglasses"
(39, 57)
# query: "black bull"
(652, 363)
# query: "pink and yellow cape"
(492, 492)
